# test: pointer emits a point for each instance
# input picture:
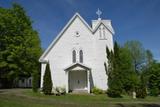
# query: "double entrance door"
(77, 80)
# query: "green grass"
(26, 98)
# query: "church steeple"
(98, 12)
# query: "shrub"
(62, 91)
(97, 91)
(154, 91)
(141, 92)
(47, 82)
(35, 82)
(59, 91)
(113, 93)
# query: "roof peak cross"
(98, 12)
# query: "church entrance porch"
(77, 78)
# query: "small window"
(102, 33)
(73, 56)
(81, 56)
(77, 34)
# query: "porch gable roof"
(77, 65)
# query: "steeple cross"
(98, 13)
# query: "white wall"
(100, 57)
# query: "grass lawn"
(26, 98)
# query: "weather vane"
(98, 13)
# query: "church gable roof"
(61, 33)
(76, 15)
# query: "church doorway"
(78, 80)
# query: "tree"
(113, 72)
(146, 68)
(129, 77)
(138, 54)
(19, 44)
(141, 89)
(120, 71)
(154, 79)
(109, 65)
(149, 58)
(144, 75)
(47, 82)
(35, 81)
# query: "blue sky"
(131, 19)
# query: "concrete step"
(79, 92)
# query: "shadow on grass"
(151, 105)
(1, 91)
(120, 105)
(137, 105)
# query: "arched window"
(104, 37)
(73, 56)
(100, 34)
(81, 56)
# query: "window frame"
(81, 56)
(74, 56)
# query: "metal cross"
(98, 13)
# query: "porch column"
(43, 68)
(88, 79)
(67, 87)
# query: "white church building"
(76, 56)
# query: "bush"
(141, 92)
(154, 91)
(62, 91)
(47, 82)
(113, 93)
(97, 91)
(35, 82)
(59, 91)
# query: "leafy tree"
(146, 75)
(149, 58)
(120, 71)
(47, 82)
(19, 44)
(146, 67)
(129, 77)
(138, 54)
